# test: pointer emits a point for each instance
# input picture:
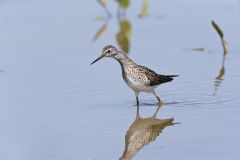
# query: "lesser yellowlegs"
(137, 77)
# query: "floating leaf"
(218, 29)
(144, 10)
(124, 3)
(198, 49)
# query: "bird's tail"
(170, 76)
(166, 78)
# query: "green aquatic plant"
(124, 4)
(198, 49)
(103, 3)
(124, 35)
(126, 27)
(218, 29)
(100, 33)
(220, 33)
(123, 42)
(144, 10)
(221, 73)
(100, 18)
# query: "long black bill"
(97, 59)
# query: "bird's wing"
(153, 77)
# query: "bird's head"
(108, 51)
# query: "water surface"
(55, 106)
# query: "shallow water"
(55, 106)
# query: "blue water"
(55, 106)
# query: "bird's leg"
(159, 100)
(159, 105)
(136, 94)
(137, 101)
(137, 115)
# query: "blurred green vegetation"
(101, 32)
(124, 4)
(220, 33)
(144, 10)
(124, 35)
(221, 73)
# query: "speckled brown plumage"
(138, 78)
(153, 77)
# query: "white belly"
(137, 85)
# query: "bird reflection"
(143, 131)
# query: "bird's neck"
(123, 59)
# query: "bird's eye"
(108, 51)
